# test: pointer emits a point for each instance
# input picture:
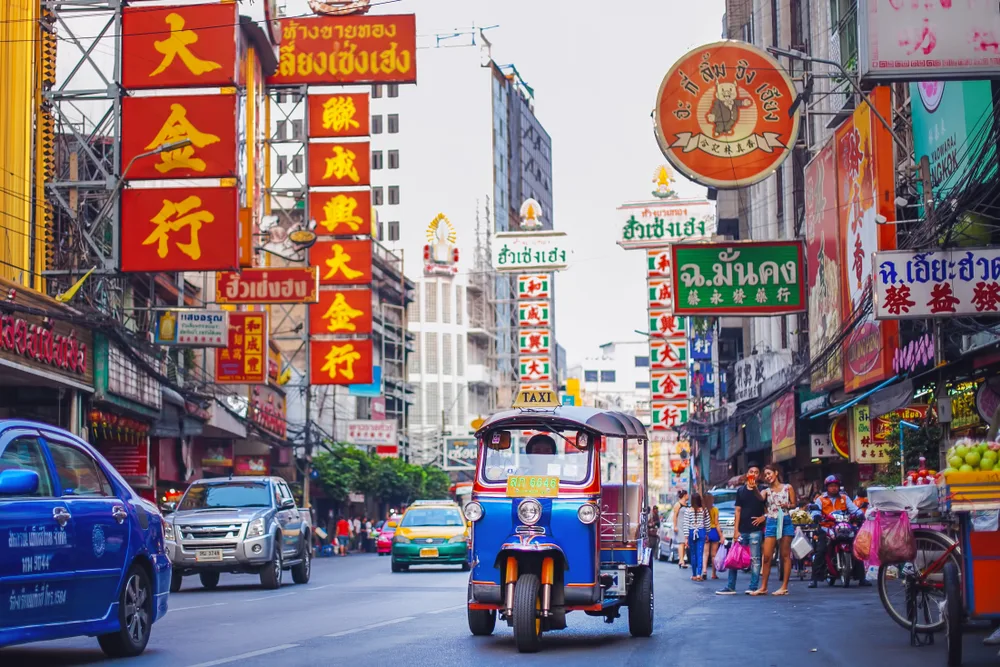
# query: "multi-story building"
(618, 378)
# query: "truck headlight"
(587, 513)
(256, 528)
(473, 512)
(168, 531)
(529, 512)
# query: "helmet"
(832, 479)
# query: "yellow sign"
(477, 423)
(535, 486)
(527, 398)
(573, 389)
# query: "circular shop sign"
(721, 115)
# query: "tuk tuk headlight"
(529, 512)
(473, 511)
(587, 513)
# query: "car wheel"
(209, 579)
(176, 580)
(301, 572)
(135, 617)
(270, 576)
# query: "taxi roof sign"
(534, 398)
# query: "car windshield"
(432, 516)
(542, 454)
(232, 494)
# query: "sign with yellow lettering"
(245, 358)
(533, 486)
(341, 213)
(339, 115)
(340, 361)
(339, 164)
(342, 262)
(342, 312)
(536, 399)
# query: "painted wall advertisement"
(823, 253)
(867, 189)
(783, 427)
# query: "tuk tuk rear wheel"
(527, 624)
(482, 621)
(640, 603)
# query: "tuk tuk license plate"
(535, 486)
(208, 555)
(430, 552)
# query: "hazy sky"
(595, 68)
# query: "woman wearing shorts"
(780, 500)
(714, 535)
(343, 535)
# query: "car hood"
(214, 517)
(431, 531)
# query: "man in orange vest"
(834, 500)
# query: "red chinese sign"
(180, 46)
(339, 115)
(266, 409)
(343, 213)
(179, 229)
(208, 121)
(722, 115)
(342, 312)
(339, 164)
(342, 262)
(340, 362)
(348, 49)
(131, 460)
(245, 359)
(272, 285)
(881, 429)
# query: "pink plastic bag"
(863, 542)
(720, 558)
(896, 541)
(738, 557)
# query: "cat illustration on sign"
(725, 111)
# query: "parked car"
(725, 501)
(246, 525)
(84, 553)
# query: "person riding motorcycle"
(834, 500)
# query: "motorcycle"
(840, 548)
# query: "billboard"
(654, 224)
(368, 432)
(198, 328)
(530, 251)
(270, 285)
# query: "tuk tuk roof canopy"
(604, 422)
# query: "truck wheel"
(270, 576)
(176, 579)
(301, 572)
(527, 624)
(135, 617)
(640, 603)
(209, 579)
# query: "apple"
(955, 461)
(949, 470)
(965, 468)
(961, 450)
(973, 458)
(990, 455)
(987, 465)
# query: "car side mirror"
(18, 482)
(288, 504)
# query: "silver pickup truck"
(242, 525)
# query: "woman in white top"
(780, 500)
(696, 524)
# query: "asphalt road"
(355, 612)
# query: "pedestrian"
(343, 535)
(714, 535)
(748, 529)
(356, 532)
(696, 526)
(653, 530)
(779, 499)
(363, 532)
(369, 536)
(680, 533)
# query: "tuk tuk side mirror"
(499, 440)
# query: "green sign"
(751, 278)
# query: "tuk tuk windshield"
(536, 453)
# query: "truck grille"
(230, 531)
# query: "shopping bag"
(738, 557)
(801, 546)
(720, 558)
(896, 541)
(863, 540)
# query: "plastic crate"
(969, 491)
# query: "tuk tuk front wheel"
(527, 624)
(640, 603)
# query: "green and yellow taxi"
(431, 533)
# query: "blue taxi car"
(80, 552)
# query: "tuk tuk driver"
(539, 448)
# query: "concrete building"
(617, 378)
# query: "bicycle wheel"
(904, 598)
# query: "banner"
(943, 283)
(654, 224)
(197, 328)
(245, 358)
(270, 285)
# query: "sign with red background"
(179, 229)
(343, 213)
(271, 285)
(245, 359)
(267, 410)
(342, 312)
(342, 262)
(251, 465)
(180, 46)
(339, 115)
(339, 164)
(340, 362)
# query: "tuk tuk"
(558, 515)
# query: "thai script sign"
(347, 49)
(530, 251)
(244, 359)
(882, 425)
(942, 283)
(266, 409)
(822, 231)
(459, 453)
(783, 427)
(273, 285)
(754, 278)
(722, 115)
(657, 223)
(55, 345)
(905, 40)
(340, 362)
(197, 328)
(371, 432)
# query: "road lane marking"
(441, 611)
(319, 588)
(269, 597)
(246, 656)
(372, 626)
(197, 606)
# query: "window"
(607, 376)
(414, 356)
(432, 406)
(381, 231)
(431, 353)
(446, 354)
(79, 474)
(446, 303)
(26, 454)
(590, 376)
(377, 199)
(393, 159)
(430, 302)
(460, 361)
(393, 195)
(642, 362)
(297, 164)
(459, 304)
(377, 90)
(377, 124)
(229, 494)
(393, 90)
(393, 230)
(642, 385)
(393, 122)
(844, 19)
(377, 159)
(281, 130)
(282, 165)
(297, 132)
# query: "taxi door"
(37, 545)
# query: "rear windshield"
(445, 516)
(234, 495)
(561, 459)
